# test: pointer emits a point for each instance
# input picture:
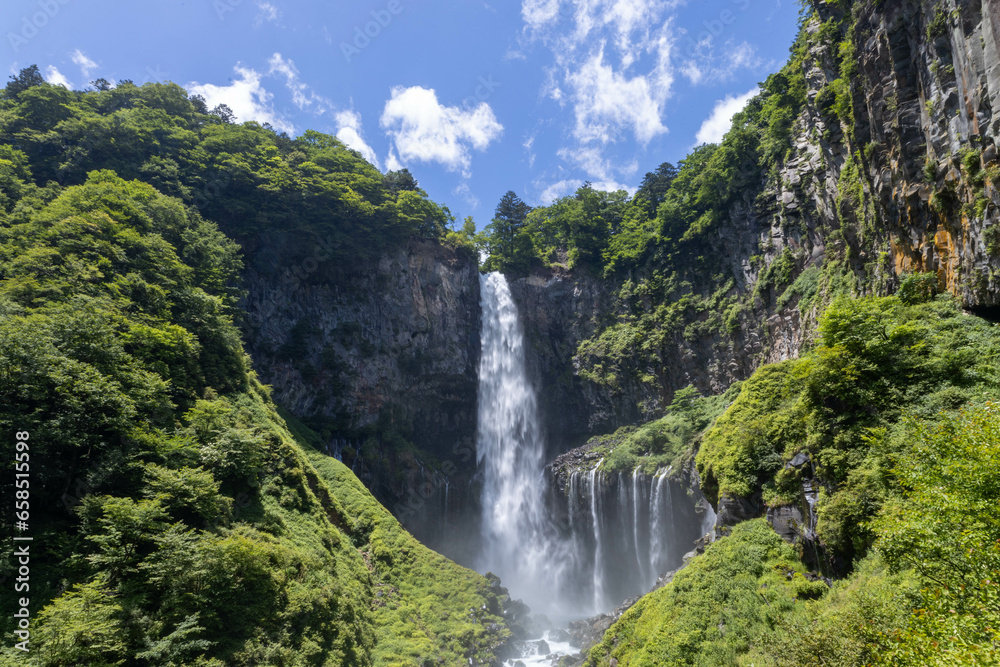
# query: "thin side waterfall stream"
(572, 552)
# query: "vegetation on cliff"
(175, 518)
(245, 177)
(925, 595)
(887, 415)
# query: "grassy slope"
(746, 602)
(426, 608)
(713, 608)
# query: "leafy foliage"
(177, 520)
(245, 177)
(666, 441)
(504, 240)
(715, 609)
(927, 595)
(944, 527)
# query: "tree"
(468, 228)
(101, 85)
(508, 223)
(655, 185)
(29, 77)
(400, 181)
(945, 527)
(225, 113)
(199, 103)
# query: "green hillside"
(175, 520)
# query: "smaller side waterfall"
(638, 504)
(626, 531)
(596, 515)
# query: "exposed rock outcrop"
(906, 182)
(377, 356)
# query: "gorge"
(746, 415)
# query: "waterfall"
(657, 546)
(519, 543)
(595, 513)
(637, 492)
(621, 530)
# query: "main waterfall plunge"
(570, 551)
(518, 540)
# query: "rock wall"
(558, 310)
(907, 185)
(382, 359)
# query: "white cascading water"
(657, 546)
(621, 531)
(516, 543)
(596, 515)
(637, 505)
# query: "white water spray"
(617, 541)
(516, 543)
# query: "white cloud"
(705, 64)
(56, 78)
(392, 162)
(613, 186)
(465, 192)
(302, 95)
(423, 129)
(539, 13)
(606, 101)
(559, 189)
(589, 158)
(246, 96)
(612, 65)
(715, 126)
(266, 12)
(529, 148)
(569, 186)
(349, 131)
(85, 64)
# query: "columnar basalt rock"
(905, 182)
(377, 355)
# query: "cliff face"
(382, 359)
(558, 310)
(905, 181)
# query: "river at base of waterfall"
(543, 651)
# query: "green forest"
(180, 516)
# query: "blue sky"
(475, 98)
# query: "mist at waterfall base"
(573, 552)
